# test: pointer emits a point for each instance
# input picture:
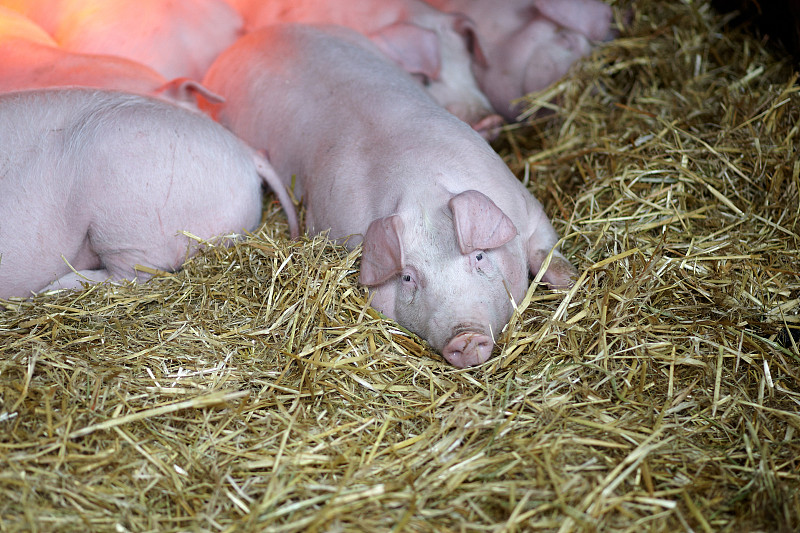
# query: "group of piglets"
(376, 112)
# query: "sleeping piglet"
(177, 39)
(102, 181)
(529, 44)
(449, 234)
(31, 59)
(438, 48)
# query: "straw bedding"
(255, 390)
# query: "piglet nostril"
(468, 349)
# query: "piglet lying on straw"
(530, 44)
(449, 233)
(438, 48)
(102, 181)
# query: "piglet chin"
(468, 349)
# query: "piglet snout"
(468, 349)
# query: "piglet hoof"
(468, 349)
(560, 274)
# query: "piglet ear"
(184, 90)
(464, 26)
(480, 224)
(383, 252)
(413, 48)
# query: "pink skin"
(105, 180)
(590, 18)
(437, 48)
(448, 231)
(44, 13)
(177, 39)
(15, 26)
(529, 44)
(33, 60)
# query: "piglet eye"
(478, 257)
(424, 80)
(408, 277)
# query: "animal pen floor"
(254, 390)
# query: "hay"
(254, 390)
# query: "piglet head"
(448, 275)
(440, 57)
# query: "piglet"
(102, 181)
(45, 13)
(178, 39)
(31, 59)
(529, 44)
(17, 26)
(449, 234)
(437, 48)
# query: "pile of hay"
(254, 390)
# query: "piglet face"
(455, 87)
(529, 59)
(556, 51)
(450, 276)
(440, 55)
(588, 18)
